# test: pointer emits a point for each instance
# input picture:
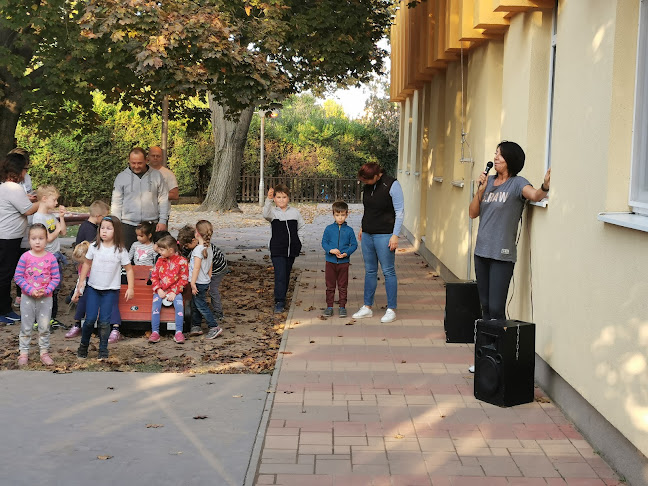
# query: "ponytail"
(205, 230)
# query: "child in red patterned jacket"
(170, 275)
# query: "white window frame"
(638, 199)
(550, 91)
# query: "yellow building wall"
(590, 290)
(583, 282)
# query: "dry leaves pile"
(249, 343)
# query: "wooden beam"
(521, 5)
(453, 23)
(486, 18)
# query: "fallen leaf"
(399, 436)
(350, 323)
(237, 396)
(154, 426)
(110, 388)
(403, 361)
(104, 458)
(200, 417)
(285, 352)
(312, 342)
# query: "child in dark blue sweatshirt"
(285, 244)
(338, 241)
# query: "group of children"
(188, 264)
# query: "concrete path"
(373, 404)
(55, 426)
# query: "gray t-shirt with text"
(499, 214)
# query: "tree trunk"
(10, 109)
(229, 141)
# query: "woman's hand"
(547, 178)
(129, 294)
(194, 289)
(482, 180)
(393, 242)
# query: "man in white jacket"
(139, 194)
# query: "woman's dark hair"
(11, 167)
(514, 156)
(369, 171)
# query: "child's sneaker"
(74, 332)
(56, 324)
(214, 332)
(343, 312)
(328, 312)
(23, 359)
(46, 359)
(35, 326)
(179, 338)
(102, 355)
(195, 331)
(154, 337)
(82, 352)
(114, 336)
(12, 316)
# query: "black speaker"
(504, 362)
(461, 311)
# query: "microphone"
(489, 166)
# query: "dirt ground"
(252, 333)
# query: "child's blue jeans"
(178, 305)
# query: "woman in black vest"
(383, 202)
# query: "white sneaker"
(363, 312)
(471, 368)
(390, 316)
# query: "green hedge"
(305, 140)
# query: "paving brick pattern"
(364, 403)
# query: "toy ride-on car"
(136, 313)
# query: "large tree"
(245, 54)
(41, 64)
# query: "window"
(552, 80)
(639, 174)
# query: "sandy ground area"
(252, 333)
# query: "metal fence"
(303, 189)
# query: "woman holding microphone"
(499, 202)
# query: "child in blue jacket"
(338, 241)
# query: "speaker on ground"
(504, 362)
(461, 310)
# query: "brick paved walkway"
(365, 403)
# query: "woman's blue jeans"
(375, 249)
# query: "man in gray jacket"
(139, 194)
